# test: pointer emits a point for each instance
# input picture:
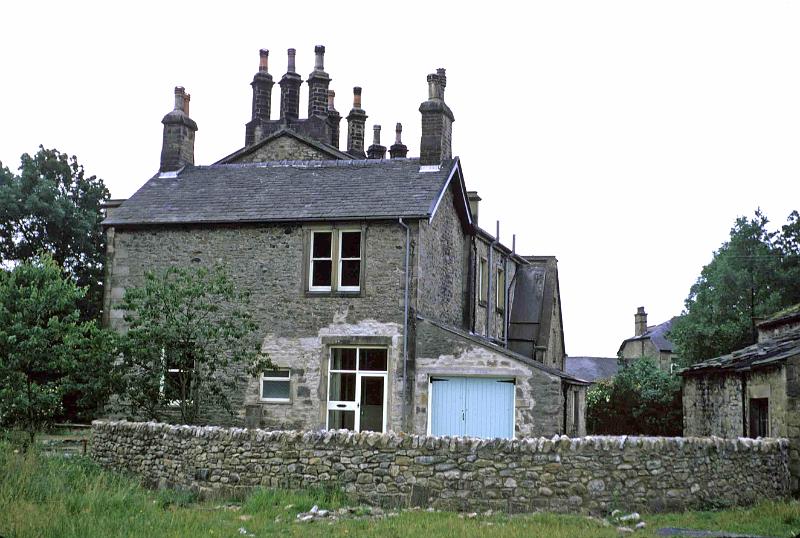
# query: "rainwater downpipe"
(405, 321)
(489, 288)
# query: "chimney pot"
(180, 91)
(263, 60)
(355, 126)
(319, 52)
(376, 151)
(331, 97)
(640, 321)
(398, 149)
(398, 133)
(376, 135)
(357, 97)
(291, 67)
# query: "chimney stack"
(355, 126)
(437, 122)
(640, 321)
(474, 199)
(290, 91)
(177, 149)
(398, 149)
(333, 120)
(376, 151)
(318, 82)
(262, 98)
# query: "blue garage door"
(472, 406)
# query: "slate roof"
(657, 334)
(592, 368)
(287, 191)
(768, 352)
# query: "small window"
(276, 385)
(349, 261)
(483, 281)
(173, 380)
(759, 417)
(321, 260)
(500, 291)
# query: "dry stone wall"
(589, 474)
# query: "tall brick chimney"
(376, 151)
(262, 99)
(437, 122)
(177, 149)
(398, 149)
(355, 127)
(290, 91)
(640, 321)
(333, 120)
(318, 82)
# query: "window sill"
(310, 293)
(278, 402)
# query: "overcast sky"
(623, 137)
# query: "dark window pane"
(371, 404)
(343, 358)
(172, 386)
(351, 270)
(343, 388)
(341, 420)
(373, 359)
(322, 245)
(321, 273)
(276, 373)
(278, 390)
(351, 244)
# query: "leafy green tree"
(51, 206)
(641, 399)
(45, 349)
(751, 276)
(189, 331)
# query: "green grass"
(44, 496)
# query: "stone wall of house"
(482, 309)
(712, 405)
(539, 398)
(590, 474)
(295, 327)
(793, 418)
(443, 265)
(285, 148)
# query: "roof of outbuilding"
(288, 191)
(764, 353)
(592, 368)
(657, 334)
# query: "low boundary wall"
(588, 474)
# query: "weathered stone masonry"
(590, 474)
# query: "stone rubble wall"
(588, 474)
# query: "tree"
(45, 349)
(750, 277)
(641, 399)
(188, 329)
(51, 206)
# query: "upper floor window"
(335, 261)
(483, 281)
(500, 290)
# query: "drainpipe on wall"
(490, 312)
(405, 324)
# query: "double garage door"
(472, 406)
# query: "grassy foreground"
(71, 497)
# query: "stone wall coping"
(557, 443)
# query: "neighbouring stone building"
(752, 392)
(381, 302)
(592, 369)
(649, 341)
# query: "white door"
(357, 389)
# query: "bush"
(641, 399)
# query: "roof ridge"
(310, 163)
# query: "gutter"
(405, 321)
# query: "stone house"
(751, 392)
(649, 341)
(381, 302)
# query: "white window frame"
(483, 266)
(162, 386)
(287, 379)
(500, 291)
(355, 405)
(340, 259)
(312, 259)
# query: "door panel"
(372, 398)
(447, 406)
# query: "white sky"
(624, 137)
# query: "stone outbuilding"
(380, 300)
(649, 341)
(752, 392)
